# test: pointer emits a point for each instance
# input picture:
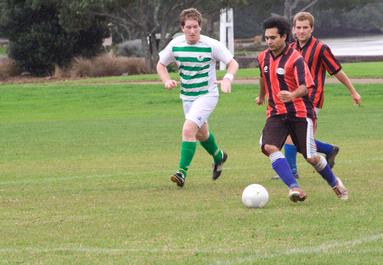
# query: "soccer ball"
(255, 196)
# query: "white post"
(226, 31)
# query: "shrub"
(38, 40)
(102, 65)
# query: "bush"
(38, 40)
(102, 65)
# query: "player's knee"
(319, 163)
(269, 149)
(189, 132)
(313, 160)
(202, 136)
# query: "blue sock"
(325, 171)
(324, 148)
(281, 167)
(328, 175)
(291, 156)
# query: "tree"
(154, 22)
(252, 15)
(41, 36)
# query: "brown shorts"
(301, 130)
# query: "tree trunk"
(149, 44)
(287, 9)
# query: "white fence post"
(226, 31)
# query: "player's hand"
(170, 84)
(356, 98)
(225, 85)
(259, 101)
(285, 96)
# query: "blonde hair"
(190, 13)
(303, 16)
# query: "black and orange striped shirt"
(320, 59)
(287, 71)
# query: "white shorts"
(199, 110)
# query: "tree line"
(44, 33)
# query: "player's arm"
(262, 92)
(343, 78)
(333, 67)
(165, 77)
(287, 96)
(304, 81)
(225, 83)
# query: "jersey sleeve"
(331, 64)
(166, 55)
(221, 53)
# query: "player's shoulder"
(294, 56)
(262, 54)
(319, 43)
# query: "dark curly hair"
(279, 22)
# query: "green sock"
(187, 153)
(212, 148)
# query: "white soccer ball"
(255, 196)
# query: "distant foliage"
(332, 18)
(38, 40)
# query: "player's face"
(302, 30)
(192, 31)
(274, 40)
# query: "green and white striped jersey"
(196, 64)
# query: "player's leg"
(209, 143)
(305, 142)
(273, 137)
(291, 155)
(189, 141)
(188, 147)
(200, 112)
(329, 150)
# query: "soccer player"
(320, 59)
(196, 56)
(285, 82)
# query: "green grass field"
(84, 179)
(353, 70)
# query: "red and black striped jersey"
(320, 59)
(287, 71)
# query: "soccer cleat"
(331, 157)
(217, 167)
(178, 178)
(297, 195)
(340, 190)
